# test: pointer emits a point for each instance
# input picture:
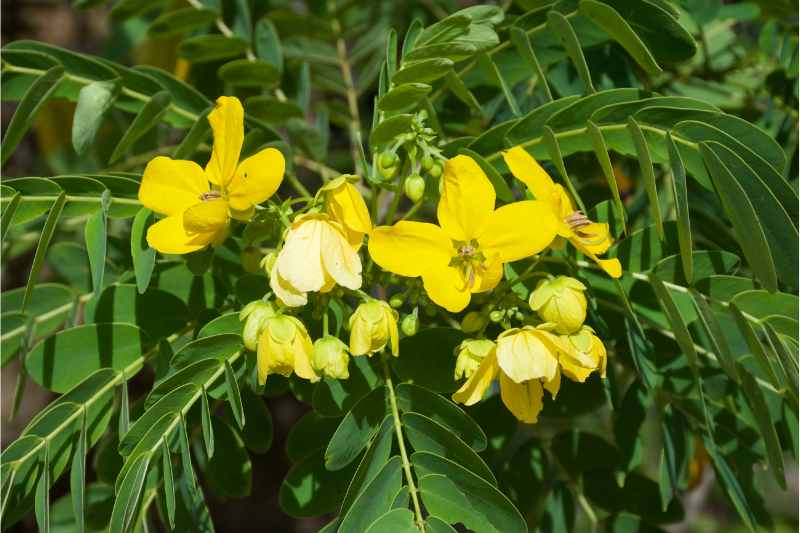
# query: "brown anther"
(466, 250)
(210, 195)
(577, 220)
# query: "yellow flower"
(590, 238)
(466, 252)
(255, 314)
(345, 204)
(331, 358)
(525, 359)
(285, 347)
(372, 326)
(316, 256)
(469, 355)
(560, 301)
(198, 214)
(582, 353)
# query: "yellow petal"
(446, 287)
(518, 230)
(467, 198)
(257, 178)
(206, 216)
(488, 279)
(475, 387)
(524, 400)
(227, 123)
(595, 237)
(394, 335)
(612, 267)
(299, 262)
(168, 236)
(410, 248)
(526, 169)
(170, 186)
(287, 294)
(525, 354)
(346, 205)
(303, 352)
(339, 258)
(553, 385)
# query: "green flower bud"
(473, 321)
(410, 325)
(269, 261)
(469, 355)
(435, 171)
(414, 187)
(255, 316)
(427, 162)
(330, 358)
(496, 316)
(560, 301)
(389, 159)
(396, 301)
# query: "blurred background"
(47, 151)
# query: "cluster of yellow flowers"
(462, 255)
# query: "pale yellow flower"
(590, 238)
(561, 301)
(330, 357)
(344, 203)
(373, 325)
(582, 353)
(197, 214)
(255, 314)
(316, 256)
(469, 355)
(285, 347)
(466, 252)
(525, 360)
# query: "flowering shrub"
(502, 299)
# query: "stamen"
(577, 220)
(210, 195)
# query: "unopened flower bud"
(583, 352)
(469, 355)
(285, 347)
(435, 171)
(269, 261)
(427, 162)
(414, 187)
(331, 358)
(389, 159)
(560, 301)
(410, 325)
(255, 316)
(496, 316)
(396, 301)
(473, 321)
(372, 326)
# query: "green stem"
(398, 428)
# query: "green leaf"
(310, 489)
(38, 93)
(460, 90)
(437, 525)
(229, 473)
(9, 210)
(425, 435)
(125, 9)
(375, 500)
(77, 477)
(373, 460)
(554, 151)
(715, 333)
(387, 130)
(184, 20)
(647, 173)
(490, 67)
(639, 496)
(227, 323)
(434, 344)
(257, 433)
(499, 184)
(396, 521)
(676, 321)
(234, 395)
(186, 457)
(681, 199)
(268, 44)
(560, 25)
(729, 483)
(310, 434)
(147, 118)
(273, 110)
(355, 430)
(205, 422)
(601, 152)
(452, 51)
(743, 216)
(203, 48)
(157, 312)
(41, 248)
(246, 73)
(522, 43)
(412, 398)
(129, 494)
(334, 397)
(42, 502)
(169, 482)
(144, 257)
(618, 29)
(95, 237)
(705, 263)
(171, 406)
(94, 101)
(456, 495)
(424, 71)
(218, 347)
(124, 407)
(403, 97)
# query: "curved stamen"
(210, 195)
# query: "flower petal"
(227, 123)
(526, 169)
(554, 384)
(524, 400)
(410, 248)
(299, 262)
(346, 206)
(206, 216)
(467, 198)
(489, 278)
(518, 230)
(475, 387)
(446, 287)
(339, 258)
(287, 294)
(170, 186)
(525, 355)
(168, 236)
(256, 179)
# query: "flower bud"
(583, 352)
(331, 358)
(389, 159)
(473, 321)
(435, 171)
(560, 301)
(496, 316)
(372, 326)
(410, 325)
(396, 301)
(269, 261)
(414, 187)
(427, 162)
(469, 355)
(285, 347)
(255, 316)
